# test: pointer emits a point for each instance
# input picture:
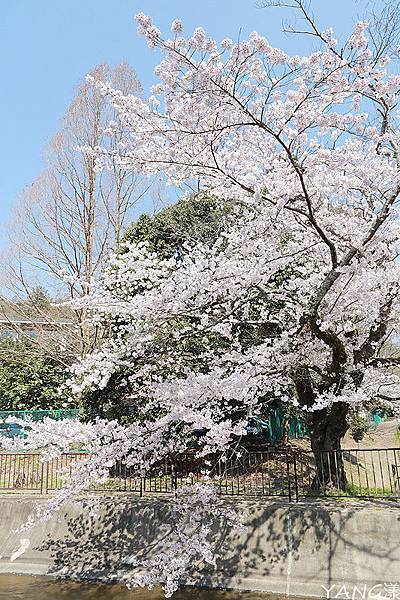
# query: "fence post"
(174, 477)
(288, 476)
(42, 479)
(47, 478)
(296, 487)
(396, 476)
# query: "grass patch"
(354, 492)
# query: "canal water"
(41, 588)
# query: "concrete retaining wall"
(294, 549)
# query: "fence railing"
(372, 473)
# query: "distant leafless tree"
(72, 217)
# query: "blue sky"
(47, 46)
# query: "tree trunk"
(327, 428)
(286, 427)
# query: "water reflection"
(40, 588)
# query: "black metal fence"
(372, 473)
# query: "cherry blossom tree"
(308, 149)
